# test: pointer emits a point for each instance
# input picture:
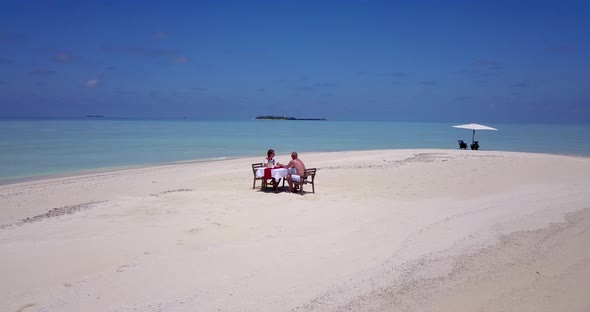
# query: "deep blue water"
(37, 147)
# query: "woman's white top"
(267, 162)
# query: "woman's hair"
(270, 151)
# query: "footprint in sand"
(26, 306)
(195, 230)
(123, 268)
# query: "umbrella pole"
(473, 137)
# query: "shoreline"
(115, 169)
(412, 230)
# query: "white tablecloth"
(277, 173)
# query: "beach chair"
(308, 178)
(254, 168)
(462, 145)
(475, 145)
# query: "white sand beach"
(386, 230)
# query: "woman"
(269, 161)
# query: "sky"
(445, 61)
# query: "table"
(276, 173)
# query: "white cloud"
(159, 35)
(64, 57)
(92, 83)
(181, 60)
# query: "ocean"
(32, 148)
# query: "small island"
(272, 117)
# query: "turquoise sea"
(38, 147)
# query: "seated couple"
(295, 162)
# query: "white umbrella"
(473, 126)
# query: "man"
(299, 169)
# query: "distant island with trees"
(272, 117)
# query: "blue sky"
(450, 61)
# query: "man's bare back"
(298, 165)
(299, 168)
